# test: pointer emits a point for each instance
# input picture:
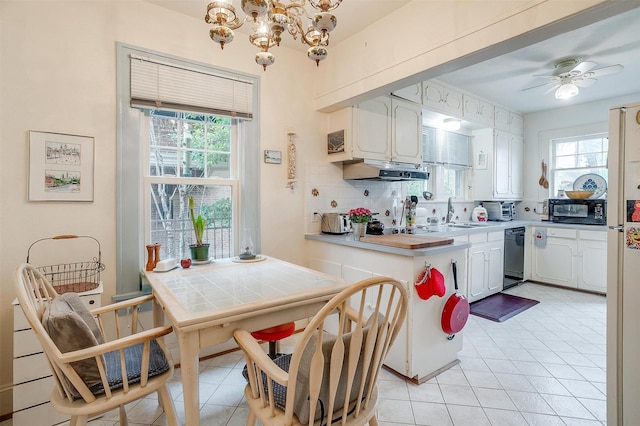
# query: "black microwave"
(584, 212)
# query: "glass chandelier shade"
(271, 19)
(566, 91)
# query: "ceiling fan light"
(451, 124)
(566, 91)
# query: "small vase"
(358, 230)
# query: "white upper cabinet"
(498, 176)
(439, 98)
(406, 125)
(477, 110)
(384, 128)
(508, 121)
(372, 129)
(412, 93)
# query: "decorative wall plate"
(591, 182)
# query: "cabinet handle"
(91, 302)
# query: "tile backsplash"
(326, 191)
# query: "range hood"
(382, 170)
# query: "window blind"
(447, 148)
(172, 87)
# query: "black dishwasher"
(513, 256)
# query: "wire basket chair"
(75, 277)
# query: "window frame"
(131, 227)
(546, 144)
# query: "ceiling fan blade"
(555, 77)
(585, 82)
(551, 83)
(583, 67)
(552, 88)
(599, 72)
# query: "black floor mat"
(500, 307)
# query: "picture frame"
(61, 167)
(481, 161)
(272, 157)
(335, 142)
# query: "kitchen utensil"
(456, 309)
(541, 180)
(430, 282)
(591, 182)
(545, 184)
(579, 195)
(479, 214)
(335, 223)
(375, 227)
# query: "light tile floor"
(545, 366)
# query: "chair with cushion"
(332, 374)
(94, 375)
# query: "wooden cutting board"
(407, 241)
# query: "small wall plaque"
(272, 157)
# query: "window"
(183, 128)
(576, 156)
(447, 158)
(190, 155)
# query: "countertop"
(446, 231)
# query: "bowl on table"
(579, 195)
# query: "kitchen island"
(422, 350)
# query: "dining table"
(206, 302)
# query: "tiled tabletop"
(223, 287)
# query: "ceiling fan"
(571, 73)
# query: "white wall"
(58, 75)
(556, 121)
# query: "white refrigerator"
(623, 267)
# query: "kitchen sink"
(467, 225)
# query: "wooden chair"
(94, 375)
(330, 376)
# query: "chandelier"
(270, 20)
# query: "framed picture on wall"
(60, 167)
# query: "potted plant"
(359, 218)
(199, 250)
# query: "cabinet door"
(372, 129)
(508, 155)
(516, 168)
(592, 262)
(477, 110)
(407, 132)
(477, 277)
(441, 99)
(412, 93)
(495, 268)
(502, 161)
(556, 262)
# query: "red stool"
(273, 334)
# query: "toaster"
(499, 210)
(335, 223)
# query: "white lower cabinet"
(574, 258)
(421, 350)
(486, 265)
(592, 261)
(32, 378)
(556, 262)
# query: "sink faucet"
(450, 211)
